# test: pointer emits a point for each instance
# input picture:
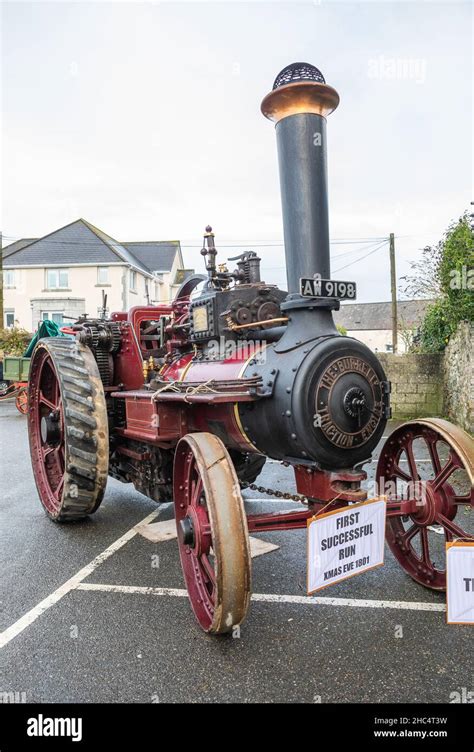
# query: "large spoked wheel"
(67, 428)
(426, 469)
(212, 532)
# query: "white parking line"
(302, 600)
(70, 584)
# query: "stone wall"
(417, 384)
(459, 377)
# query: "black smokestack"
(299, 104)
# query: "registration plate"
(315, 287)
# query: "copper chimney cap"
(299, 88)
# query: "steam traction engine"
(187, 400)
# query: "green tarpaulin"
(47, 329)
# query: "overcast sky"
(144, 118)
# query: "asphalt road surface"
(119, 642)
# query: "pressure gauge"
(200, 319)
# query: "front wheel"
(429, 464)
(212, 532)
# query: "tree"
(446, 273)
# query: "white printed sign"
(345, 542)
(460, 583)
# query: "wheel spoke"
(425, 548)
(397, 470)
(410, 533)
(47, 450)
(59, 455)
(466, 499)
(59, 488)
(56, 393)
(433, 450)
(208, 569)
(45, 401)
(412, 461)
(205, 581)
(196, 492)
(444, 473)
(451, 526)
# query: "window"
(9, 278)
(56, 316)
(102, 275)
(133, 280)
(56, 278)
(9, 318)
(388, 348)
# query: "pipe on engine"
(299, 104)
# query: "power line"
(282, 245)
(339, 255)
(356, 261)
(124, 244)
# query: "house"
(61, 276)
(371, 323)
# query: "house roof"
(81, 242)
(16, 246)
(158, 256)
(372, 316)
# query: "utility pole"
(393, 287)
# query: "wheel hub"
(196, 527)
(427, 503)
(50, 428)
(430, 503)
(187, 531)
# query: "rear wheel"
(212, 532)
(68, 429)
